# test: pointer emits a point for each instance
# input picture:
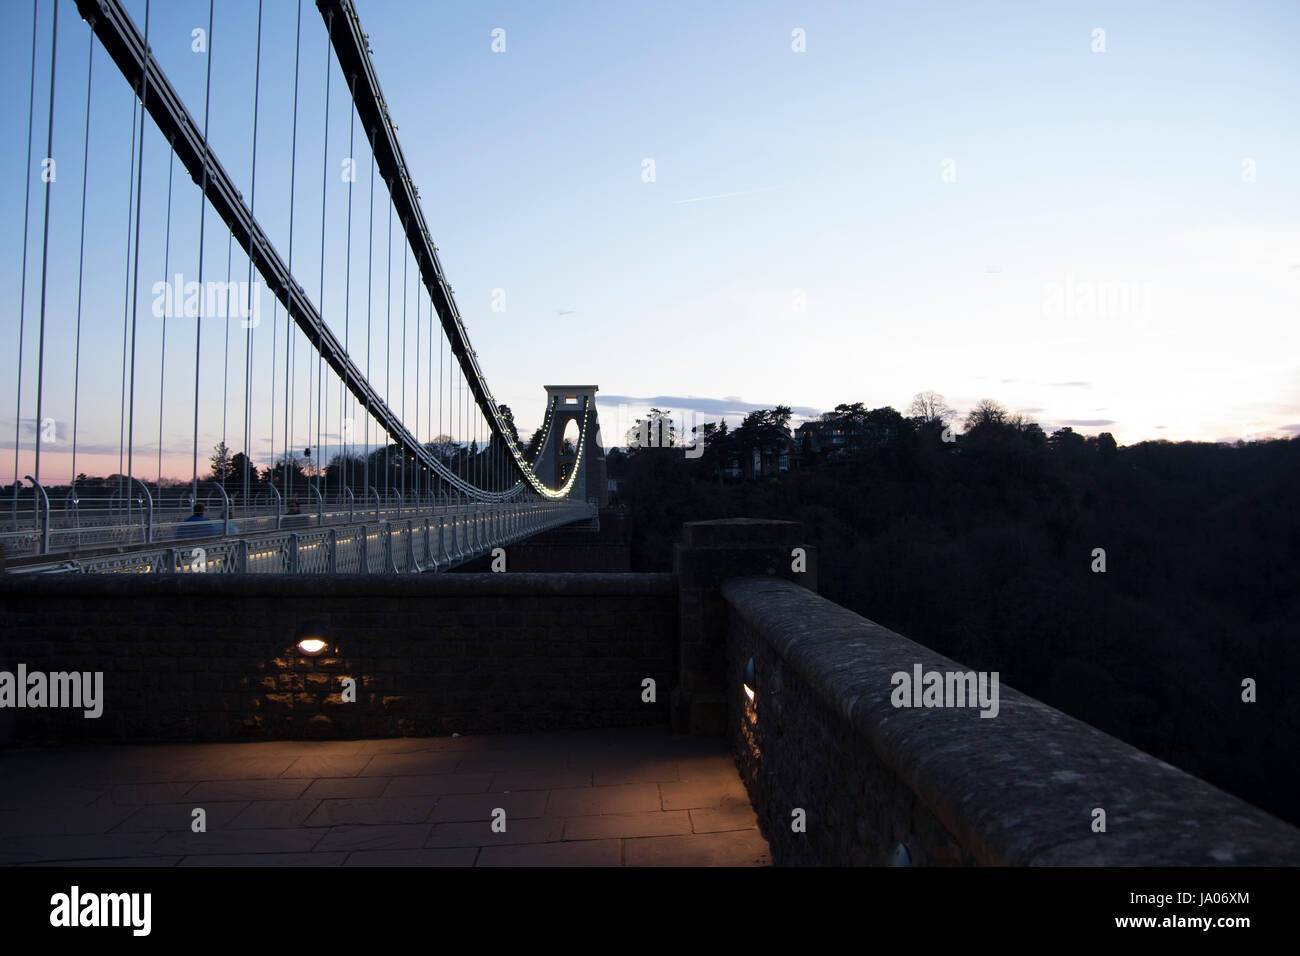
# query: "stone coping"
(1019, 788)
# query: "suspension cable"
(203, 208)
(225, 374)
(370, 295)
(324, 179)
(344, 464)
(45, 245)
(406, 258)
(81, 261)
(441, 338)
(252, 259)
(162, 360)
(126, 305)
(416, 463)
(288, 325)
(388, 350)
(135, 282)
(22, 296)
(433, 434)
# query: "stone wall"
(880, 784)
(569, 549)
(213, 657)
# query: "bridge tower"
(564, 403)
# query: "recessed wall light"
(311, 637)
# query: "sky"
(1087, 212)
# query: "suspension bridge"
(355, 431)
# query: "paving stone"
(310, 748)
(401, 836)
(734, 848)
(254, 748)
(460, 856)
(94, 846)
(217, 790)
(178, 817)
(707, 767)
(401, 745)
(27, 793)
(438, 783)
(149, 792)
(479, 833)
(266, 859)
(503, 761)
(594, 797)
(347, 787)
(410, 764)
(615, 825)
(585, 853)
(271, 814)
(626, 769)
(141, 861)
(62, 819)
(479, 806)
(701, 794)
(626, 798)
(326, 766)
(282, 840)
(241, 768)
(734, 813)
(539, 780)
(372, 811)
(118, 774)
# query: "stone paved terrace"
(624, 797)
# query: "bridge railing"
(108, 522)
(427, 542)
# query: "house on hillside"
(766, 459)
(833, 437)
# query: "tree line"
(978, 539)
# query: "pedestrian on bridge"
(196, 525)
(293, 516)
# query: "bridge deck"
(440, 538)
(625, 797)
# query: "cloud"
(731, 405)
(1070, 385)
(1289, 428)
(1088, 422)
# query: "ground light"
(311, 637)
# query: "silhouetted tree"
(930, 407)
(222, 465)
(985, 412)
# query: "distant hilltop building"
(839, 437)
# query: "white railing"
(114, 523)
(433, 541)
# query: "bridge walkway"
(617, 797)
